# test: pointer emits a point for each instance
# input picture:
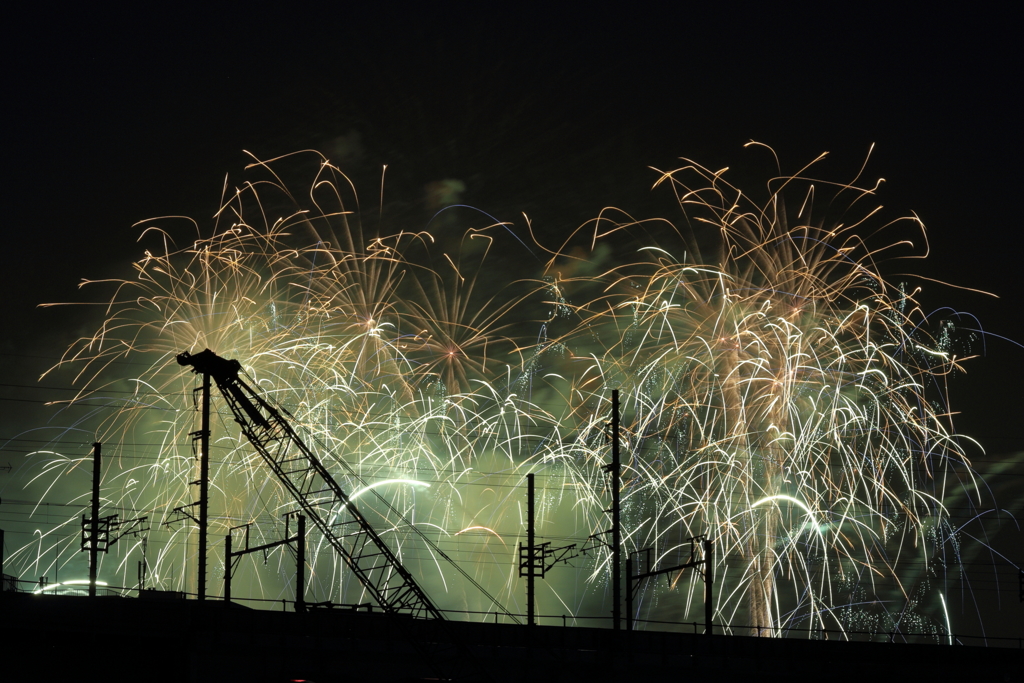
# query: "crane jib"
(315, 490)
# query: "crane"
(374, 564)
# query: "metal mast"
(99, 533)
(316, 491)
(94, 523)
(616, 471)
(203, 504)
(536, 560)
(531, 598)
(204, 482)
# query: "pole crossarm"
(257, 548)
(667, 570)
(543, 559)
(99, 533)
(374, 564)
(109, 530)
(181, 513)
(706, 563)
(232, 557)
(614, 470)
(595, 541)
(692, 564)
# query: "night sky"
(113, 118)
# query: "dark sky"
(117, 117)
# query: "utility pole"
(300, 565)
(615, 469)
(531, 619)
(228, 564)
(709, 579)
(536, 560)
(99, 533)
(616, 528)
(95, 526)
(143, 567)
(204, 483)
(181, 513)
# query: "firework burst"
(780, 395)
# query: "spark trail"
(780, 395)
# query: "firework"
(779, 395)
(782, 397)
